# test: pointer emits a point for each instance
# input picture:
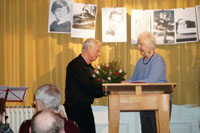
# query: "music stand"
(3, 91)
(13, 94)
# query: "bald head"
(47, 121)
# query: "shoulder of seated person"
(24, 128)
(27, 121)
(70, 122)
(71, 127)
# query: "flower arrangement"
(108, 73)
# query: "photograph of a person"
(198, 18)
(140, 22)
(186, 29)
(60, 16)
(164, 26)
(84, 20)
(114, 25)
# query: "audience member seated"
(48, 96)
(4, 128)
(47, 121)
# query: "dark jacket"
(81, 87)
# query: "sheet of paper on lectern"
(17, 94)
(3, 91)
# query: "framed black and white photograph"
(140, 22)
(114, 25)
(84, 20)
(60, 12)
(186, 28)
(163, 26)
(198, 18)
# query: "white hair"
(148, 39)
(49, 95)
(90, 42)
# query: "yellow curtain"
(30, 56)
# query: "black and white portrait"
(114, 25)
(60, 16)
(186, 29)
(164, 26)
(84, 20)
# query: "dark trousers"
(82, 115)
(148, 120)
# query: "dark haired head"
(60, 4)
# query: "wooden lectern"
(136, 97)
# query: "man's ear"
(29, 129)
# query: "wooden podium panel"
(138, 97)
